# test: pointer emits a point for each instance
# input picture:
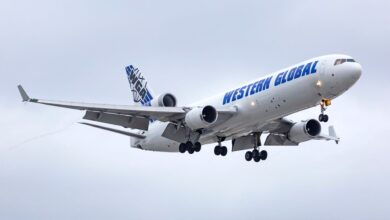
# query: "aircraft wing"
(129, 116)
(278, 130)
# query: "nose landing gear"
(324, 104)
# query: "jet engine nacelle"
(304, 131)
(164, 100)
(201, 117)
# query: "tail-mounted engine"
(304, 131)
(164, 100)
(201, 117)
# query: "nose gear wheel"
(324, 104)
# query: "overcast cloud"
(53, 168)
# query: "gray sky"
(53, 168)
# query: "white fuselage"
(271, 97)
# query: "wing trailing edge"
(127, 133)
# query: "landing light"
(319, 83)
(253, 103)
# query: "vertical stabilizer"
(139, 86)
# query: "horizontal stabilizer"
(130, 134)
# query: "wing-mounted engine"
(164, 100)
(201, 117)
(289, 133)
(304, 131)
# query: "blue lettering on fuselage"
(296, 72)
(227, 97)
(264, 84)
(247, 90)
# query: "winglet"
(23, 93)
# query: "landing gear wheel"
(217, 150)
(197, 146)
(248, 156)
(256, 155)
(182, 148)
(324, 104)
(190, 147)
(263, 155)
(189, 144)
(223, 151)
(325, 118)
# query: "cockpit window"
(341, 61)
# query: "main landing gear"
(220, 150)
(190, 147)
(255, 154)
(324, 104)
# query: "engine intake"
(304, 131)
(164, 100)
(201, 117)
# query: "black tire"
(257, 158)
(325, 118)
(197, 146)
(182, 148)
(217, 150)
(223, 151)
(263, 155)
(321, 117)
(190, 150)
(255, 153)
(189, 145)
(248, 156)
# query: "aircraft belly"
(155, 142)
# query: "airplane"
(241, 115)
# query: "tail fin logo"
(138, 86)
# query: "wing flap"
(278, 140)
(126, 121)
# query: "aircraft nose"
(353, 73)
(347, 74)
(342, 77)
